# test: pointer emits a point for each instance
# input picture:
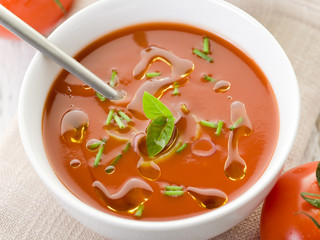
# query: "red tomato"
(281, 216)
(40, 14)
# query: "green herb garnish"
(208, 78)
(109, 169)
(161, 126)
(60, 6)
(124, 116)
(112, 82)
(173, 188)
(219, 128)
(153, 107)
(173, 193)
(126, 149)
(153, 74)
(139, 211)
(95, 145)
(101, 97)
(202, 55)
(119, 156)
(116, 159)
(236, 124)
(184, 109)
(206, 45)
(118, 121)
(208, 124)
(183, 146)
(159, 133)
(109, 118)
(175, 89)
(99, 154)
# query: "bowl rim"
(241, 201)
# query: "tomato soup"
(196, 128)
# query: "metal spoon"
(30, 35)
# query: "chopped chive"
(153, 74)
(110, 115)
(206, 45)
(202, 55)
(60, 6)
(99, 154)
(126, 149)
(184, 109)
(208, 124)
(119, 156)
(116, 159)
(173, 193)
(112, 82)
(219, 128)
(236, 124)
(124, 116)
(175, 91)
(101, 97)
(110, 169)
(95, 145)
(139, 211)
(208, 78)
(173, 188)
(183, 146)
(118, 121)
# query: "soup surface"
(197, 127)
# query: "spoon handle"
(30, 35)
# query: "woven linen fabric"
(27, 209)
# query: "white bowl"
(218, 17)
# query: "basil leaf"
(161, 127)
(318, 174)
(159, 133)
(153, 107)
(313, 201)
